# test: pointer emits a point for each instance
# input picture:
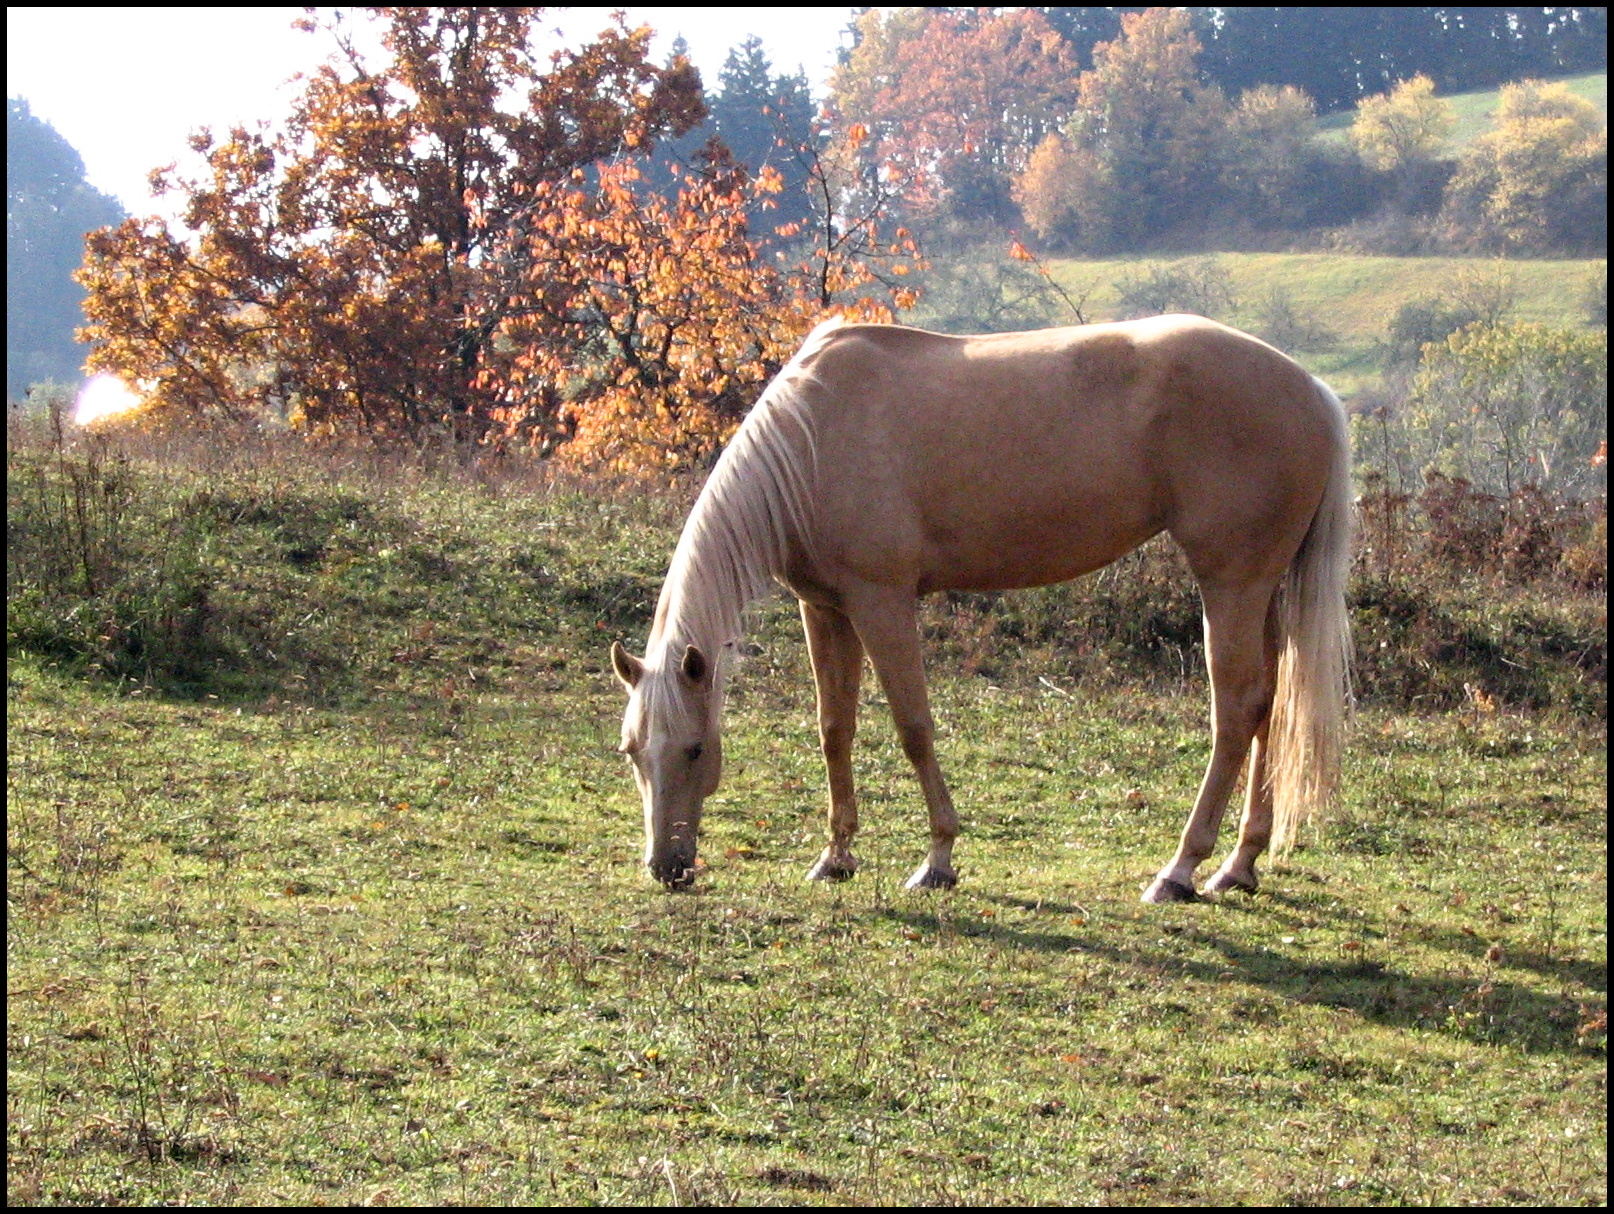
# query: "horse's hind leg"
(1255, 828)
(889, 630)
(1241, 649)
(837, 657)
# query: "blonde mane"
(755, 505)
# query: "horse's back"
(1024, 458)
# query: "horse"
(884, 463)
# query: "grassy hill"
(1354, 296)
(1476, 110)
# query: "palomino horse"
(884, 463)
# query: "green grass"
(291, 956)
(357, 916)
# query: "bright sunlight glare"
(101, 397)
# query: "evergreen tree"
(766, 120)
(49, 208)
(1340, 55)
(676, 154)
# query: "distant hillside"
(1476, 110)
(1353, 296)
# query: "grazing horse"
(884, 463)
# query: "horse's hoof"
(1225, 882)
(832, 870)
(929, 877)
(1163, 890)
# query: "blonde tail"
(1313, 689)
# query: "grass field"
(1352, 295)
(354, 914)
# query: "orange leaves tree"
(845, 248)
(955, 100)
(669, 318)
(354, 270)
(649, 347)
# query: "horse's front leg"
(837, 657)
(889, 629)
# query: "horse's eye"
(694, 752)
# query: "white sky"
(125, 86)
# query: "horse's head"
(670, 733)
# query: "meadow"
(324, 881)
(1350, 298)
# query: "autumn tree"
(955, 101)
(649, 348)
(1539, 179)
(871, 71)
(1145, 146)
(1403, 131)
(1048, 191)
(1267, 167)
(970, 108)
(1272, 147)
(850, 254)
(354, 268)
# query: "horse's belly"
(1017, 552)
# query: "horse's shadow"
(1479, 1005)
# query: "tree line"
(411, 253)
(1185, 126)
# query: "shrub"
(1509, 405)
(1196, 284)
(1470, 297)
(1539, 179)
(329, 580)
(1594, 300)
(979, 293)
(1290, 326)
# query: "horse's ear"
(695, 666)
(628, 668)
